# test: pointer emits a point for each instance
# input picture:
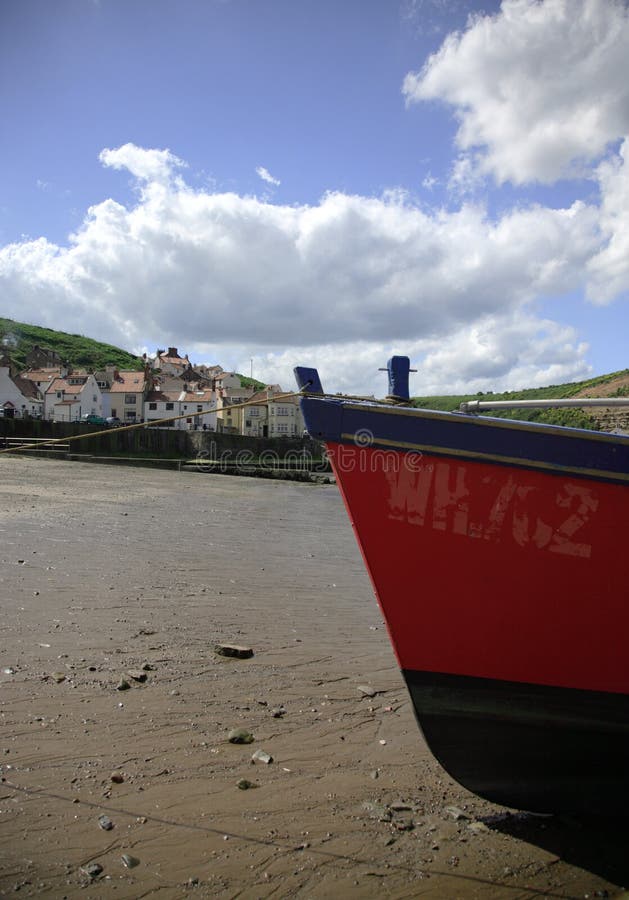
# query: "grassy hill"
(75, 349)
(615, 384)
(79, 351)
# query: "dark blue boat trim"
(528, 746)
(567, 451)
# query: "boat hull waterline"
(495, 549)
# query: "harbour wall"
(207, 450)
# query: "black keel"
(527, 746)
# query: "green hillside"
(246, 382)
(79, 351)
(75, 349)
(615, 381)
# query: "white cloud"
(265, 175)
(157, 166)
(539, 89)
(609, 270)
(342, 284)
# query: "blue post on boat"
(398, 368)
(308, 380)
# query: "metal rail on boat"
(477, 405)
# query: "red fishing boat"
(496, 551)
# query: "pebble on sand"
(366, 690)
(244, 784)
(137, 675)
(240, 736)
(233, 650)
(262, 756)
(92, 870)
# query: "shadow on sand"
(593, 843)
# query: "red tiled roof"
(129, 383)
(61, 384)
(41, 374)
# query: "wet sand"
(107, 569)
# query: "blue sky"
(322, 182)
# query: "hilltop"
(74, 349)
(615, 384)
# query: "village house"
(226, 380)
(125, 397)
(170, 363)
(162, 405)
(273, 415)
(42, 358)
(255, 419)
(42, 378)
(209, 372)
(198, 409)
(231, 419)
(69, 399)
(285, 418)
(105, 378)
(19, 397)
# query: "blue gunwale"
(559, 450)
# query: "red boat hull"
(503, 589)
(496, 550)
(493, 571)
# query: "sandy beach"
(112, 575)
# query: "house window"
(282, 410)
(129, 399)
(152, 405)
(170, 406)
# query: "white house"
(162, 405)
(18, 396)
(201, 409)
(69, 399)
(197, 407)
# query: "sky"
(271, 183)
